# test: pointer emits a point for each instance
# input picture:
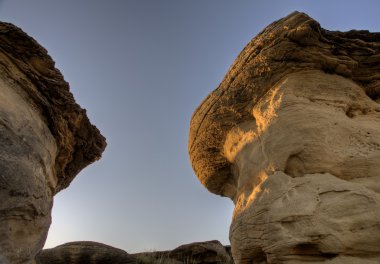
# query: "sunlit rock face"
(45, 140)
(292, 136)
(309, 173)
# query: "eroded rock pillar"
(45, 140)
(291, 135)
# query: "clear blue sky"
(140, 68)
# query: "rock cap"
(27, 64)
(292, 44)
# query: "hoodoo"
(45, 140)
(292, 136)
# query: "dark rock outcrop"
(209, 252)
(84, 252)
(292, 136)
(45, 140)
(212, 252)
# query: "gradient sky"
(140, 68)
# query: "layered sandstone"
(45, 140)
(291, 135)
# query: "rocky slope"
(45, 140)
(291, 135)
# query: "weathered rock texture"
(292, 136)
(45, 140)
(209, 252)
(84, 252)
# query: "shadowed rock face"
(291, 135)
(45, 140)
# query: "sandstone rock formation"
(45, 140)
(292, 136)
(209, 252)
(84, 252)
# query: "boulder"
(291, 135)
(45, 140)
(84, 252)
